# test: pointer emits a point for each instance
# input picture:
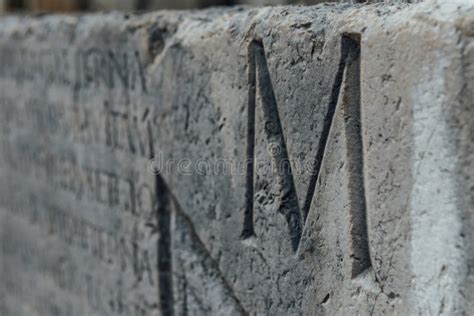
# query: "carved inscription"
(78, 204)
(345, 91)
(76, 185)
(259, 80)
(84, 68)
(350, 103)
(165, 261)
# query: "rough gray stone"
(312, 160)
(310, 2)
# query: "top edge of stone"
(389, 6)
(457, 12)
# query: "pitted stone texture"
(312, 161)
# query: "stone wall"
(275, 161)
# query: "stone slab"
(274, 161)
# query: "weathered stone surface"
(143, 5)
(286, 2)
(313, 161)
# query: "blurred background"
(131, 5)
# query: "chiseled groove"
(199, 246)
(165, 201)
(163, 218)
(351, 105)
(248, 229)
(323, 140)
(165, 263)
(273, 129)
(349, 64)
